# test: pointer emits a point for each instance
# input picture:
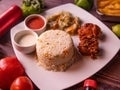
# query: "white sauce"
(27, 40)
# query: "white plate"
(47, 80)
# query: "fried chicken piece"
(89, 30)
(89, 34)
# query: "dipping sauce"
(27, 40)
(35, 23)
(109, 7)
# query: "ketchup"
(9, 18)
(35, 23)
(90, 84)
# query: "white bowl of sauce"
(35, 22)
(25, 41)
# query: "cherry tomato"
(10, 69)
(22, 83)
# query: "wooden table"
(107, 79)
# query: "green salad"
(32, 7)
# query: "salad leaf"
(32, 7)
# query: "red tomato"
(10, 69)
(22, 83)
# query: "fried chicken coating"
(88, 35)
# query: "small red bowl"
(35, 22)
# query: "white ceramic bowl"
(25, 41)
(35, 22)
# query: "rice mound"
(55, 50)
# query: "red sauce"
(35, 23)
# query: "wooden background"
(107, 78)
